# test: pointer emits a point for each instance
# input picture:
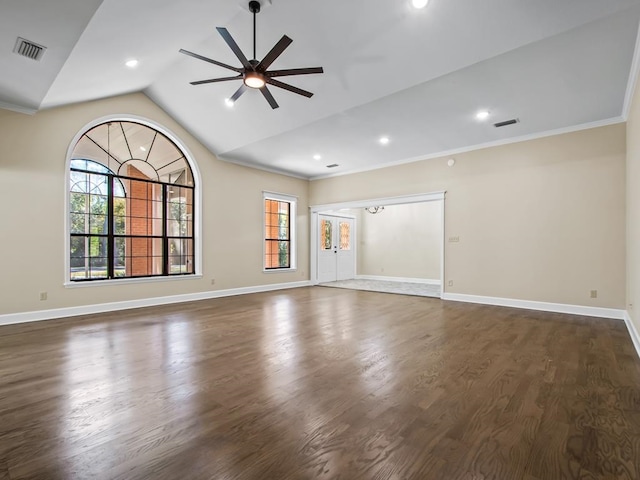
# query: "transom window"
(131, 205)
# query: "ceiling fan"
(254, 73)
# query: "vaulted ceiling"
(416, 76)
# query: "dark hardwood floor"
(320, 383)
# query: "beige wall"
(401, 241)
(541, 220)
(33, 152)
(633, 210)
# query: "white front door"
(336, 248)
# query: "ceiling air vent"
(29, 49)
(333, 165)
(506, 122)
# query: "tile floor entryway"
(403, 288)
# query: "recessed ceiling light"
(482, 115)
(384, 140)
(132, 63)
(229, 103)
(419, 3)
(317, 157)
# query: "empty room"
(184, 182)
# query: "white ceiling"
(418, 76)
(56, 25)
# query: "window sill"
(128, 281)
(279, 270)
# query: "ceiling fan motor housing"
(254, 6)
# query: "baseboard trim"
(40, 315)
(633, 333)
(599, 312)
(399, 279)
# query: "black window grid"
(279, 241)
(109, 258)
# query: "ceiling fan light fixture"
(254, 80)
(255, 74)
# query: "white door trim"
(422, 197)
(444, 242)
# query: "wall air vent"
(29, 49)
(333, 165)
(506, 122)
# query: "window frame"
(111, 237)
(197, 202)
(293, 250)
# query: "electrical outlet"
(450, 283)
(594, 293)
(454, 239)
(43, 296)
(213, 281)
(631, 306)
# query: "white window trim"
(197, 232)
(293, 220)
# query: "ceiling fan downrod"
(254, 7)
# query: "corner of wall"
(633, 332)
(632, 115)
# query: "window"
(345, 236)
(131, 205)
(279, 231)
(326, 234)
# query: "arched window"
(131, 205)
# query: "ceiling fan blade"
(234, 46)
(294, 71)
(267, 94)
(274, 53)
(215, 80)
(288, 87)
(239, 92)
(215, 62)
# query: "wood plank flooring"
(320, 383)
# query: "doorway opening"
(393, 245)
